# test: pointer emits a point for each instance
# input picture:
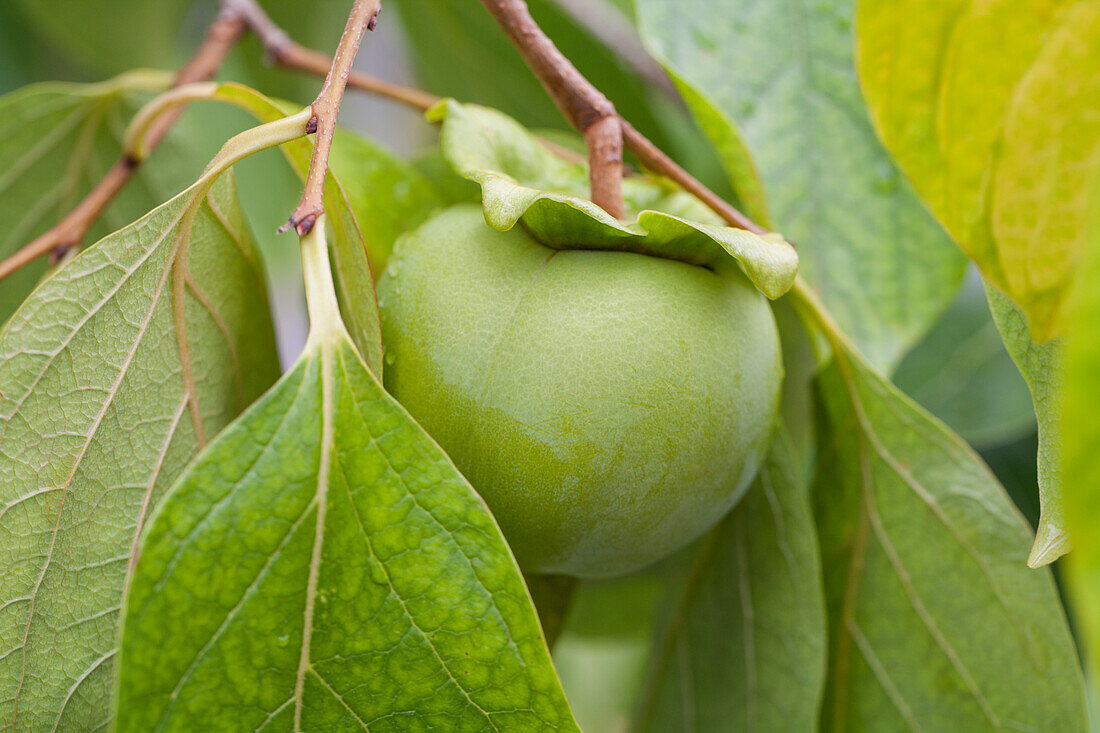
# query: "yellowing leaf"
(1081, 438)
(1042, 366)
(991, 110)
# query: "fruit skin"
(609, 406)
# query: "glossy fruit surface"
(609, 406)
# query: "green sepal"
(522, 181)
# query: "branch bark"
(326, 107)
(70, 231)
(586, 108)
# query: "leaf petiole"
(324, 310)
(135, 142)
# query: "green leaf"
(798, 405)
(962, 374)
(56, 141)
(936, 622)
(1043, 369)
(601, 676)
(1081, 436)
(521, 180)
(113, 374)
(324, 565)
(387, 195)
(990, 109)
(552, 595)
(784, 73)
(744, 649)
(109, 35)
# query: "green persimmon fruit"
(609, 406)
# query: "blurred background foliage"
(960, 371)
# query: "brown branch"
(364, 14)
(282, 50)
(586, 108)
(654, 159)
(70, 231)
(288, 54)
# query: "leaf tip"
(1050, 544)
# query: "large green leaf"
(113, 374)
(56, 141)
(522, 181)
(784, 73)
(1043, 370)
(936, 622)
(325, 566)
(963, 375)
(990, 108)
(744, 649)
(1081, 437)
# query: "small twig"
(282, 50)
(654, 159)
(364, 14)
(586, 108)
(70, 231)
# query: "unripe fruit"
(608, 406)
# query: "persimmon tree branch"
(285, 52)
(364, 14)
(585, 106)
(70, 231)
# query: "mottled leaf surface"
(784, 73)
(990, 107)
(1043, 368)
(112, 375)
(325, 566)
(936, 622)
(56, 141)
(962, 374)
(744, 648)
(522, 181)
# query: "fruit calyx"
(523, 182)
